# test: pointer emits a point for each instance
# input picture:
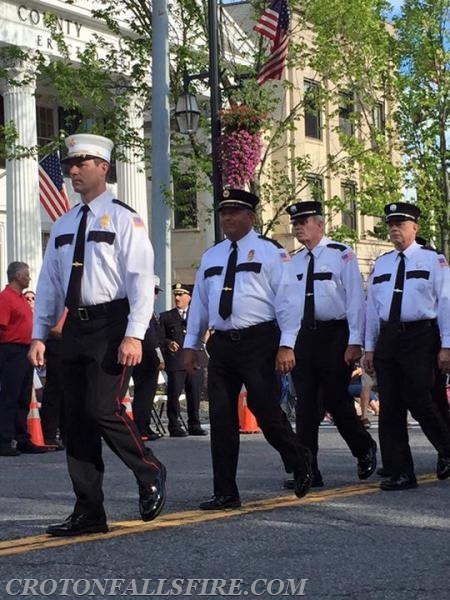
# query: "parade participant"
(99, 264)
(244, 294)
(174, 323)
(407, 339)
(329, 343)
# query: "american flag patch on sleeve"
(348, 255)
(138, 222)
(443, 261)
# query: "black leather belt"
(247, 332)
(325, 324)
(98, 311)
(408, 325)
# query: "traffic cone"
(126, 401)
(247, 421)
(34, 422)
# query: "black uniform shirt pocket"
(63, 240)
(101, 236)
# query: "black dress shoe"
(382, 472)
(367, 463)
(302, 484)
(150, 436)
(77, 525)
(8, 450)
(30, 448)
(152, 497)
(178, 433)
(54, 444)
(317, 481)
(399, 482)
(197, 431)
(443, 468)
(221, 503)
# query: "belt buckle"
(83, 314)
(235, 335)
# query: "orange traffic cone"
(126, 401)
(247, 421)
(34, 422)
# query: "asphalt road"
(346, 540)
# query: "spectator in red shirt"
(16, 373)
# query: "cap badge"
(105, 220)
(251, 255)
(393, 207)
(71, 142)
(226, 193)
(178, 286)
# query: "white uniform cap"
(88, 145)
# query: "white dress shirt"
(338, 285)
(118, 263)
(426, 291)
(264, 290)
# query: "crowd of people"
(255, 312)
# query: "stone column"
(22, 185)
(131, 175)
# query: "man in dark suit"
(174, 325)
(145, 375)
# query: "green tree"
(423, 30)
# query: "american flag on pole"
(274, 24)
(52, 192)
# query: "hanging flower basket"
(241, 145)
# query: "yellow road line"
(190, 517)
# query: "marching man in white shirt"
(407, 340)
(99, 264)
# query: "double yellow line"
(190, 517)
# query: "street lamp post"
(187, 112)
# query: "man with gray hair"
(16, 373)
(330, 339)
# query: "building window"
(315, 187)
(349, 213)
(313, 125)
(346, 110)
(45, 124)
(185, 201)
(379, 116)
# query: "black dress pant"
(248, 359)
(94, 386)
(192, 384)
(321, 379)
(52, 395)
(145, 378)
(405, 363)
(16, 381)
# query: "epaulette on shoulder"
(267, 239)
(384, 254)
(123, 205)
(336, 246)
(431, 249)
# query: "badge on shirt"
(443, 261)
(284, 256)
(251, 255)
(105, 221)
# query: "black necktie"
(226, 297)
(308, 313)
(396, 304)
(74, 288)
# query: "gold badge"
(226, 193)
(105, 220)
(251, 255)
(71, 141)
